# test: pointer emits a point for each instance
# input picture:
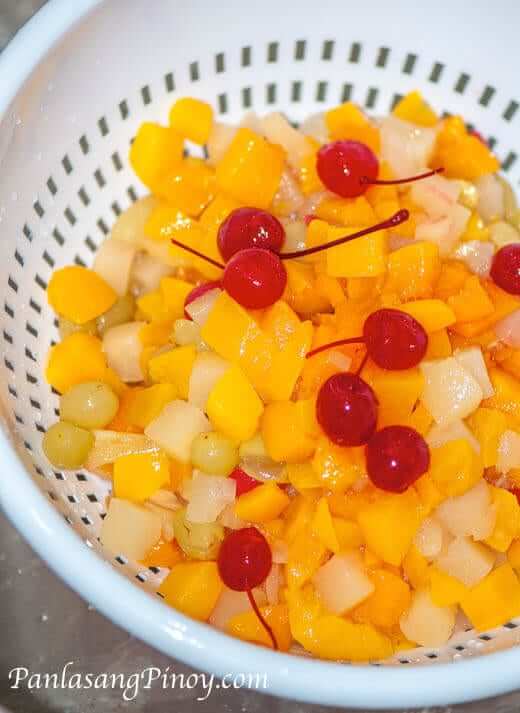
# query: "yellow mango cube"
(301, 293)
(193, 588)
(305, 556)
(323, 526)
(151, 307)
(415, 109)
(432, 314)
(280, 322)
(414, 270)
(461, 154)
(298, 515)
(507, 525)
(439, 345)
(217, 211)
(302, 477)
(445, 590)
(190, 186)
(285, 433)
(174, 293)
(513, 554)
(263, 503)
(192, 119)
(472, 302)
(247, 627)
(251, 169)
(475, 229)
(138, 476)
(416, 568)
(494, 600)
(428, 492)
(488, 425)
(348, 533)
(156, 334)
(397, 392)
(166, 221)
(507, 393)
(154, 152)
(310, 181)
(79, 294)
(234, 408)
(146, 404)
(286, 365)
(455, 467)
(338, 468)
(345, 211)
(347, 121)
(174, 367)
(389, 525)
(385, 606)
(420, 419)
(362, 257)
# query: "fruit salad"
(297, 360)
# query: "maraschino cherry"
(394, 340)
(396, 456)
(346, 409)
(198, 292)
(348, 168)
(249, 228)
(244, 562)
(244, 482)
(505, 268)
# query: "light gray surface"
(43, 625)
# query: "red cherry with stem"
(346, 409)
(198, 292)
(249, 228)
(244, 482)
(244, 562)
(505, 268)
(342, 164)
(396, 456)
(394, 340)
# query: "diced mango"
(264, 503)
(154, 152)
(494, 600)
(146, 404)
(415, 109)
(251, 169)
(389, 525)
(432, 314)
(513, 554)
(439, 346)
(476, 229)
(453, 275)
(79, 294)
(345, 211)
(348, 533)
(488, 425)
(305, 556)
(217, 211)
(151, 307)
(461, 154)
(382, 193)
(192, 119)
(416, 568)
(156, 334)
(347, 121)
(298, 515)
(507, 525)
(455, 467)
(285, 433)
(174, 293)
(164, 554)
(397, 392)
(363, 257)
(420, 419)
(165, 221)
(388, 602)
(445, 590)
(193, 588)
(138, 476)
(247, 627)
(286, 366)
(504, 304)
(472, 303)
(413, 270)
(338, 468)
(280, 322)
(310, 182)
(190, 186)
(507, 393)
(323, 527)
(331, 289)
(233, 406)
(174, 367)
(301, 291)
(428, 492)
(302, 477)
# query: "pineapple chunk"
(176, 427)
(451, 392)
(129, 529)
(472, 360)
(342, 584)
(425, 623)
(467, 561)
(469, 515)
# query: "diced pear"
(342, 583)
(472, 360)
(467, 561)
(176, 427)
(450, 392)
(425, 623)
(438, 435)
(207, 370)
(429, 538)
(130, 530)
(123, 349)
(469, 515)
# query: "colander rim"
(158, 625)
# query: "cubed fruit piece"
(413, 270)
(174, 293)
(345, 211)
(488, 425)
(176, 427)
(79, 294)
(306, 554)
(467, 561)
(425, 623)
(347, 121)
(207, 369)
(420, 419)
(302, 476)
(439, 345)
(494, 601)
(280, 322)
(415, 109)
(190, 186)
(301, 293)
(139, 476)
(298, 516)
(504, 304)
(192, 119)
(461, 154)
(455, 467)
(508, 452)
(438, 435)
(146, 404)
(429, 493)
(286, 365)
(470, 515)
(193, 588)
(389, 525)
(450, 392)
(251, 169)
(278, 130)
(234, 407)
(342, 583)
(124, 351)
(453, 275)
(310, 182)
(156, 334)
(385, 606)
(286, 432)
(433, 314)
(507, 393)
(154, 152)
(338, 468)
(416, 568)
(348, 534)
(130, 530)
(247, 627)
(513, 554)
(174, 367)
(472, 302)
(445, 590)
(363, 257)
(261, 504)
(323, 526)
(164, 554)
(397, 392)
(77, 359)
(507, 525)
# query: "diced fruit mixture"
(298, 361)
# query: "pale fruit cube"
(450, 391)
(430, 538)
(176, 427)
(200, 308)
(231, 603)
(123, 349)
(439, 434)
(207, 370)
(467, 561)
(425, 623)
(208, 495)
(472, 360)
(342, 583)
(130, 530)
(469, 515)
(508, 452)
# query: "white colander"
(74, 86)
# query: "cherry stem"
(400, 217)
(331, 345)
(215, 263)
(362, 365)
(396, 181)
(261, 619)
